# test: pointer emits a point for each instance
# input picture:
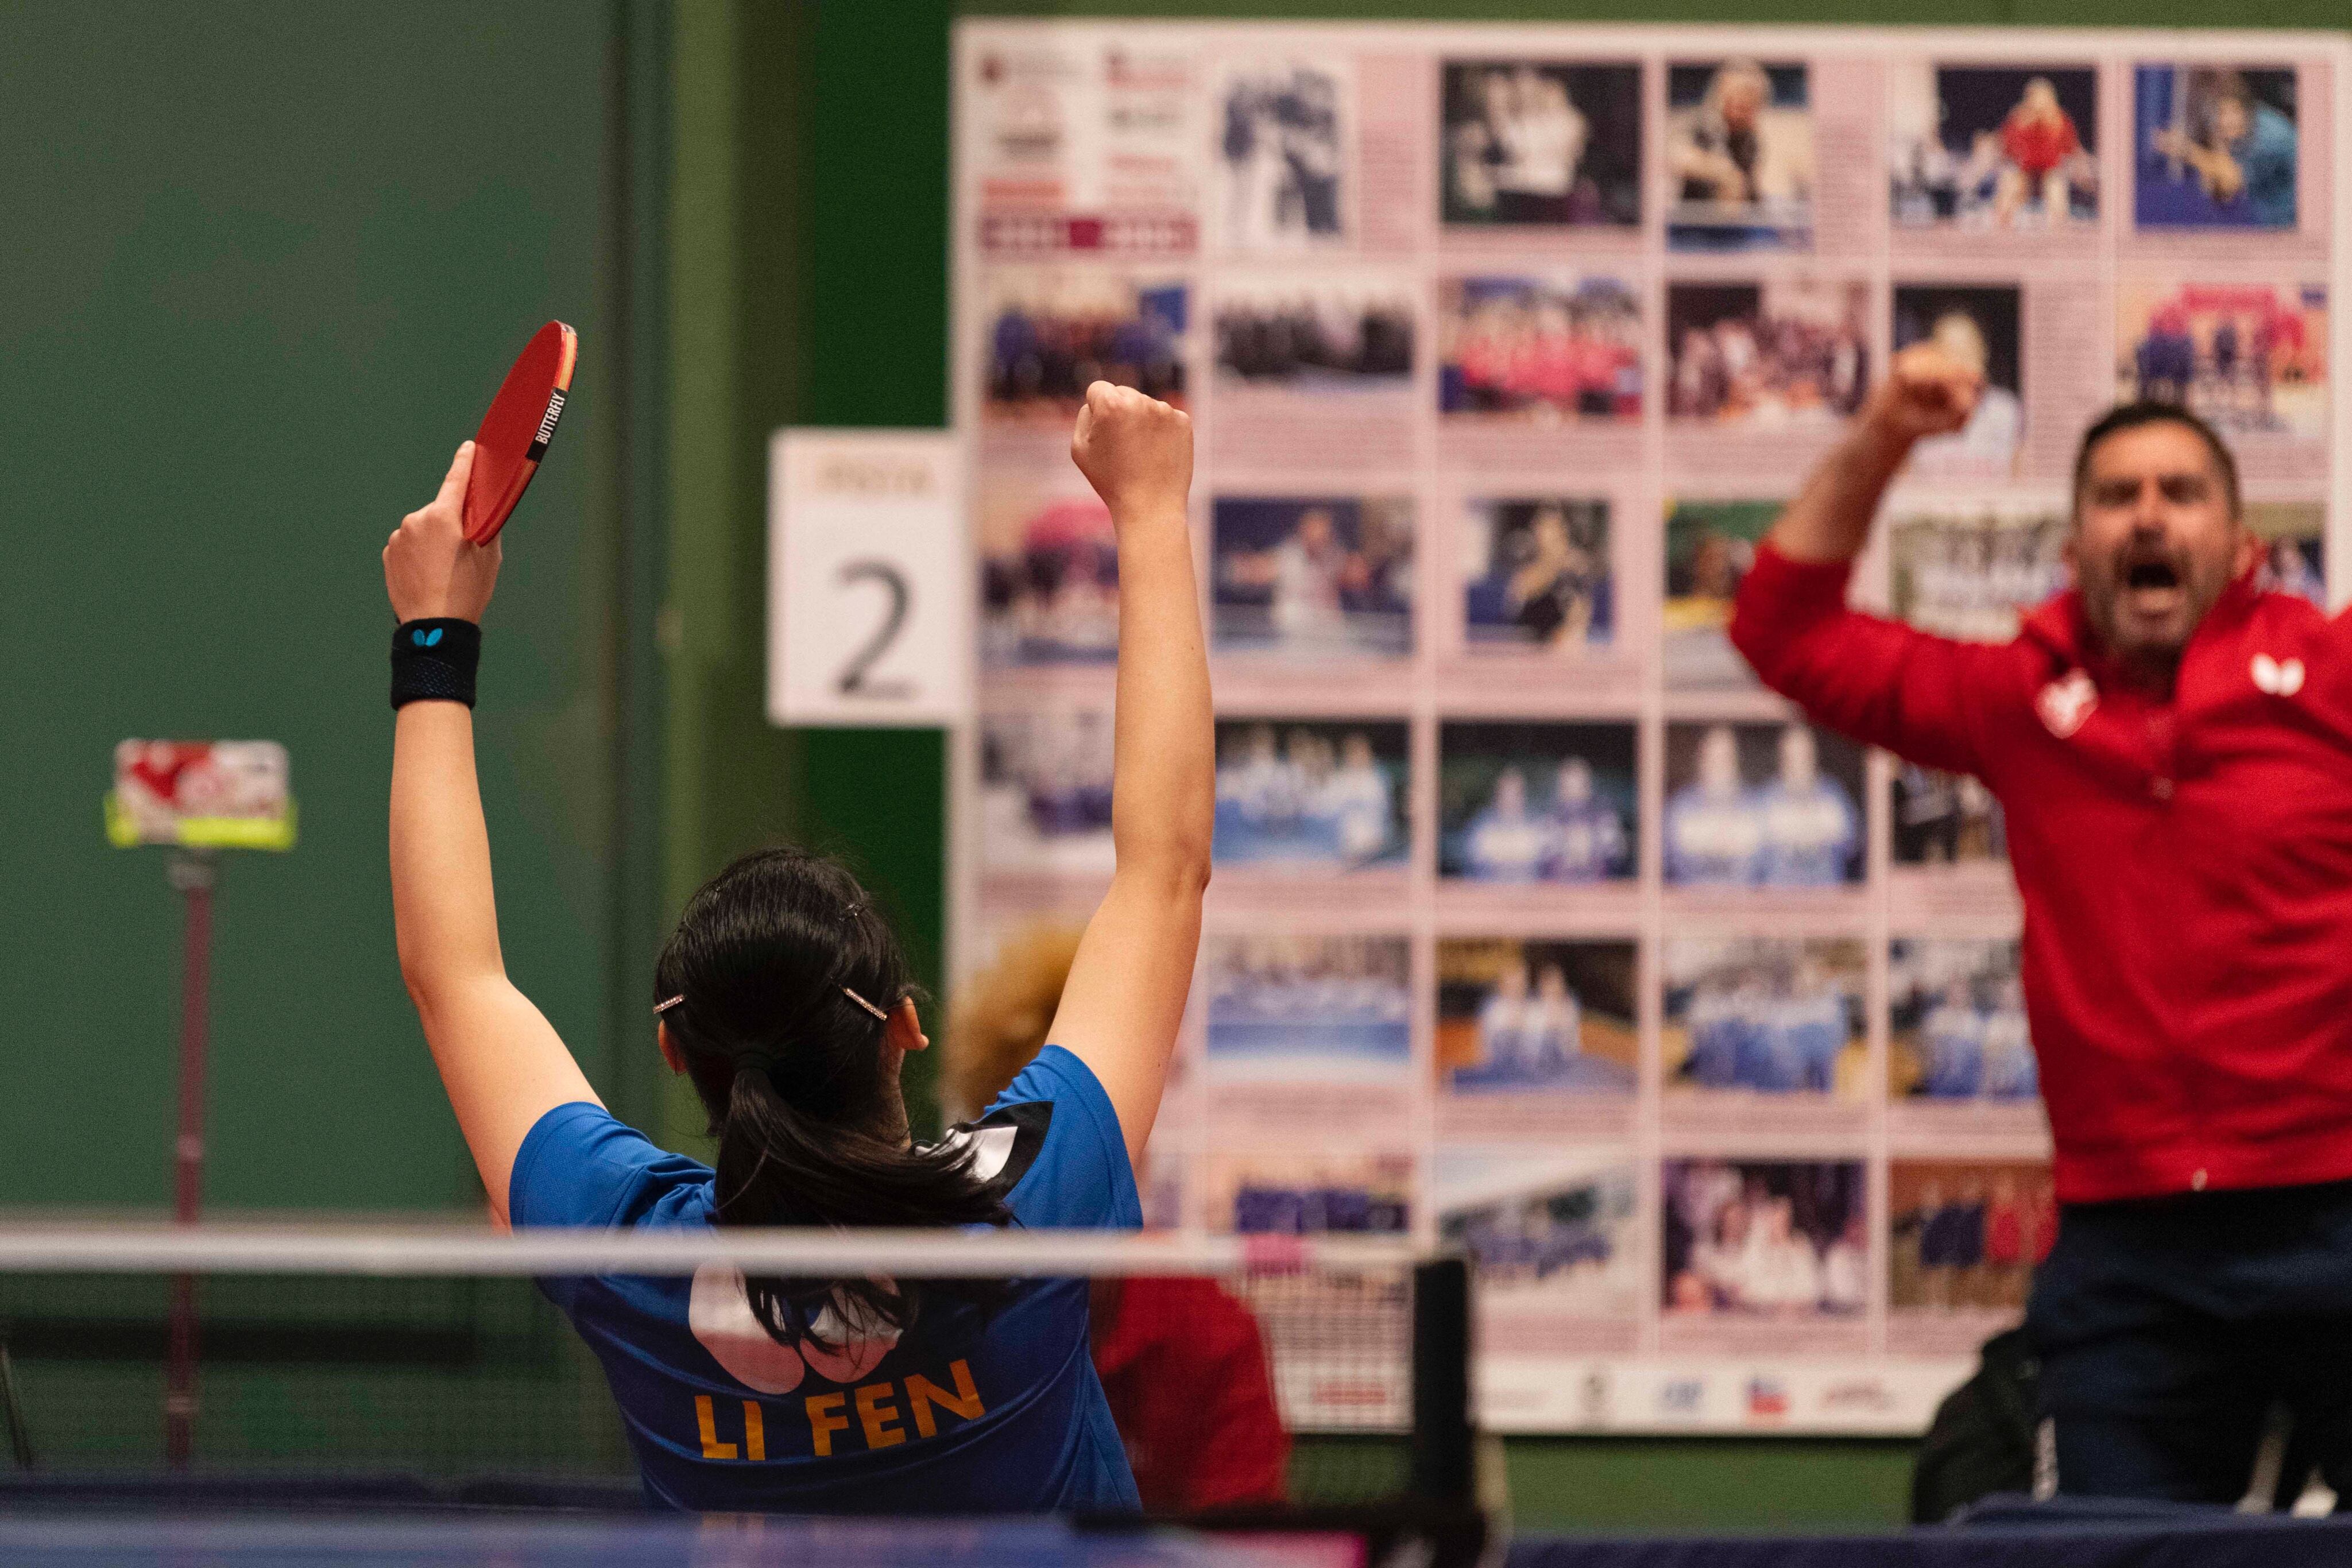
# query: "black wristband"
(434, 661)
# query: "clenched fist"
(429, 570)
(1926, 393)
(1136, 451)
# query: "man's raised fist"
(1926, 392)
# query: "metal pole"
(193, 872)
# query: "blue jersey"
(1813, 1033)
(972, 1409)
(1713, 841)
(1809, 835)
(1769, 1054)
(1719, 1027)
(2009, 1067)
(1501, 848)
(1955, 1038)
(1588, 841)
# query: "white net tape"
(454, 1250)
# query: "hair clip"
(861, 1002)
(661, 1008)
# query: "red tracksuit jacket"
(2186, 866)
(1184, 1368)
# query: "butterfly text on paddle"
(547, 422)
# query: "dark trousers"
(2168, 1328)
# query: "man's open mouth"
(2156, 574)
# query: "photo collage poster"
(1537, 928)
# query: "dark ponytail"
(774, 965)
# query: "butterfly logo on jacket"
(2065, 703)
(2279, 677)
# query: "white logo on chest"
(2279, 677)
(2065, 703)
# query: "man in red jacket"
(2173, 752)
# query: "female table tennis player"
(783, 997)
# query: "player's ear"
(905, 1029)
(668, 1048)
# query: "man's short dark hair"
(2132, 415)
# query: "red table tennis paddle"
(515, 432)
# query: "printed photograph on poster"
(1044, 790)
(1283, 128)
(1541, 350)
(1768, 355)
(1710, 545)
(1979, 326)
(1984, 148)
(1784, 1239)
(1537, 574)
(1529, 802)
(2215, 146)
(1966, 1234)
(1739, 156)
(1764, 1015)
(1948, 820)
(1331, 336)
(2294, 548)
(1311, 796)
(1955, 1019)
(1275, 1194)
(1310, 1006)
(1048, 572)
(1542, 1231)
(1519, 1017)
(1541, 143)
(1766, 805)
(1053, 331)
(1313, 577)
(2250, 358)
(1971, 571)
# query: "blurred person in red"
(2172, 751)
(1182, 1363)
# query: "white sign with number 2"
(870, 618)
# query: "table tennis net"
(432, 1353)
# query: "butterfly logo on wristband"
(424, 639)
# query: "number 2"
(852, 681)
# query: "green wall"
(807, 286)
(265, 265)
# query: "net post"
(1443, 1445)
(11, 1409)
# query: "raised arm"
(1125, 997)
(1925, 393)
(499, 1058)
(1877, 681)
